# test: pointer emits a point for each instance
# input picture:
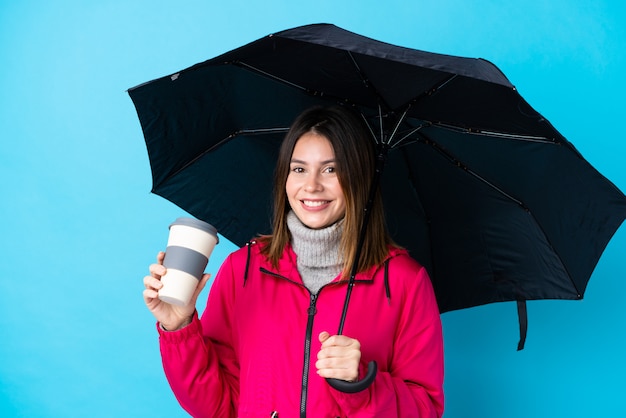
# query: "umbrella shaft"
(380, 165)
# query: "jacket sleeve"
(413, 385)
(201, 370)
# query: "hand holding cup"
(177, 278)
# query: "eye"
(297, 169)
(330, 169)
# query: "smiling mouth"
(315, 203)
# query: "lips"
(314, 203)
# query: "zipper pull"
(274, 414)
(312, 309)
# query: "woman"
(265, 341)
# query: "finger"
(339, 374)
(323, 336)
(332, 368)
(160, 257)
(157, 270)
(340, 341)
(335, 363)
(153, 283)
(199, 287)
(150, 294)
(151, 298)
(339, 352)
(203, 282)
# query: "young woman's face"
(312, 185)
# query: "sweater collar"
(318, 248)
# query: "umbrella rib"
(260, 131)
(496, 188)
(409, 134)
(380, 122)
(465, 168)
(518, 137)
(368, 84)
(395, 129)
(270, 75)
(319, 93)
(374, 138)
(468, 170)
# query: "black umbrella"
(479, 187)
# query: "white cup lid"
(196, 223)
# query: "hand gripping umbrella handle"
(372, 367)
(359, 385)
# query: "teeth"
(314, 203)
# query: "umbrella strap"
(245, 273)
(522, 316)
(387, 288)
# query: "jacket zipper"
(311, 311)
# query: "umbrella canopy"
(478, 186)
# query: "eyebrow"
(304, 162)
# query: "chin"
(320, 224)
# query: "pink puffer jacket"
(253, 352)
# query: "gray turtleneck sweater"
(317, 251)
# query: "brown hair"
(355, 158)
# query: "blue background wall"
(79, 226)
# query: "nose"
(313, 183)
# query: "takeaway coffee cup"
(189, 247)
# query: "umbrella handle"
(358, 386)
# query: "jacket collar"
(287, 266)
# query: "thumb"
(203, 282)
(324, 336)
